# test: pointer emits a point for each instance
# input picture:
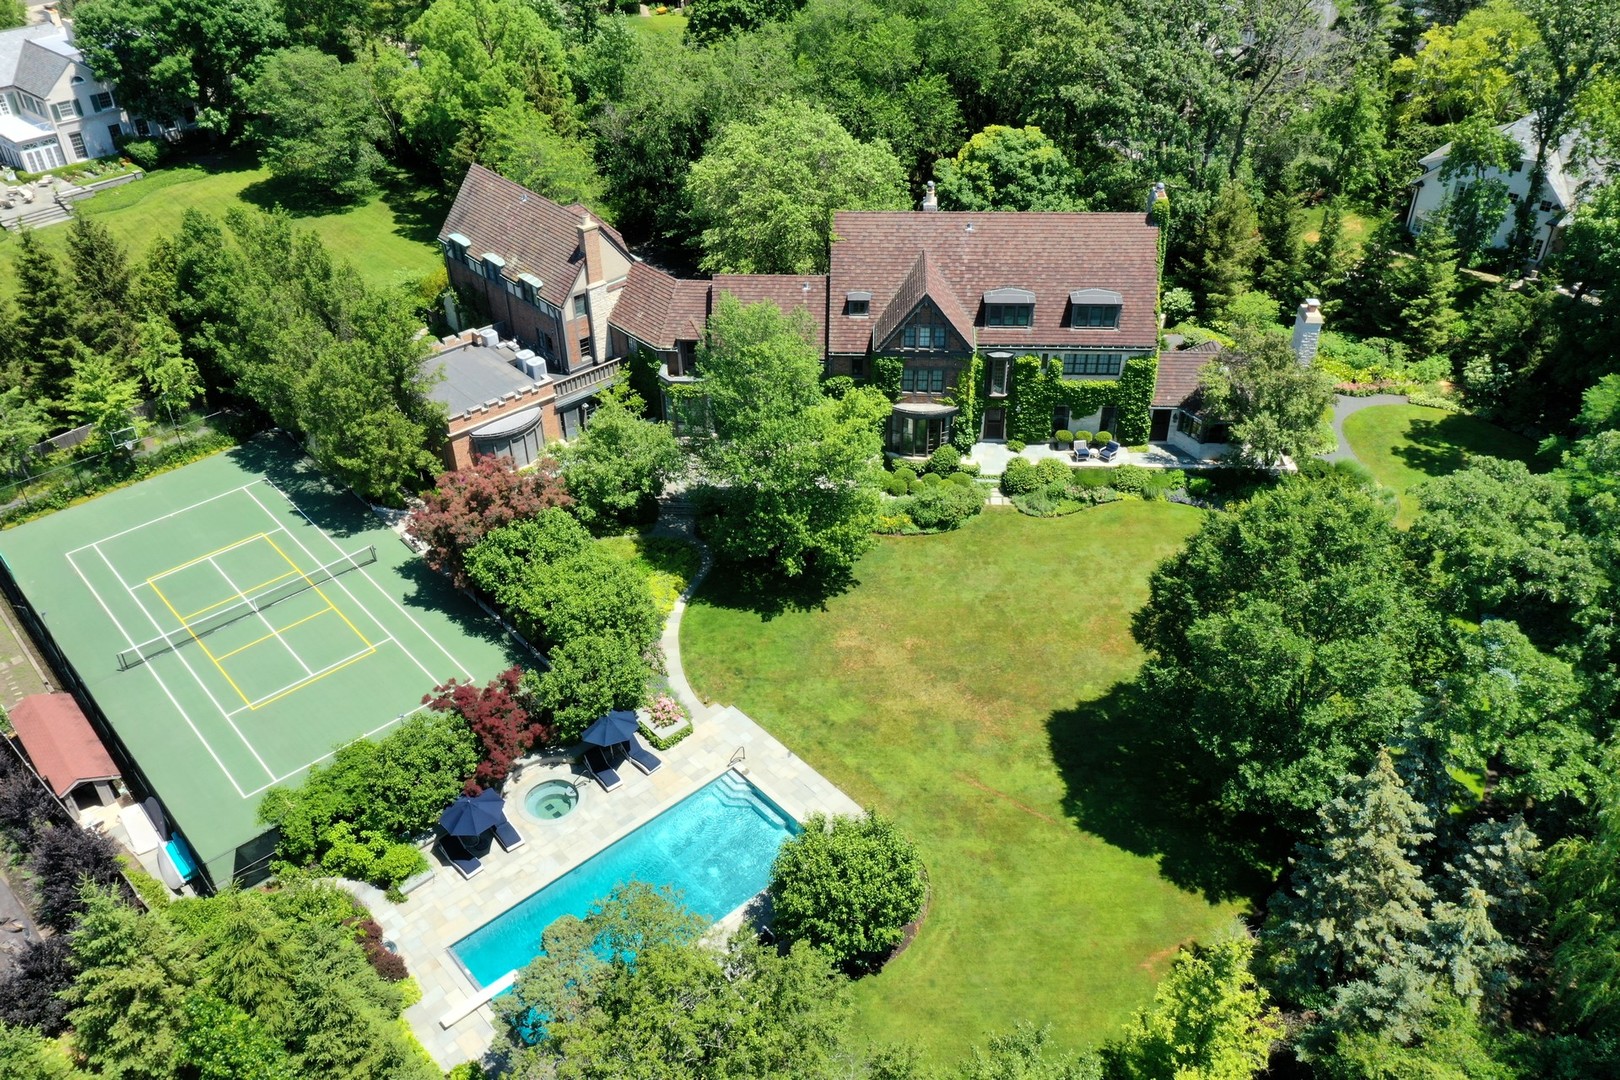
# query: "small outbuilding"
(65, 750)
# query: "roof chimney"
(590, 243)
(930, 201)
(1307, 330)
(1156, 195)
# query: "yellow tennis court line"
(200, 644)
(276, 631)
(370, 648)
(243, 595)
(318, 592)
(210, 555)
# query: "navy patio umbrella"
(611, 730)
(469, 816)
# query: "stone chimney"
(930, 200)
(590, 242)
(1307, 330)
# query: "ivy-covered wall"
(968, 397)
(1038, 387)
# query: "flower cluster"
(666, 712)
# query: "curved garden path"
(1343, 406)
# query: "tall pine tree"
(1231, 246)
(102, 318)
(1431, 322)
(44, 319)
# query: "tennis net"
(243, 609)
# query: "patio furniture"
(641, 757)
(602, 767)
(509, 838)
(1082, 452)
(465, 862)
(1111, 451)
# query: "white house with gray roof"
(1566, 180)
(53, 110)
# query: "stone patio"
(992, 457)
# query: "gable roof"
(659, 309)
(60, 742)
(1177, 381)
(39, 67)
(530, 232)
(922, 281)
(14, 42)
(1563, 176)
(1048, 254)
(786, 291)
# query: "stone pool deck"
(447, 907)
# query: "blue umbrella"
(468, 816)
(611, 730)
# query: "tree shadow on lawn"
(420, 206)
(1439, 447)
(296, 200)
(754, 588)
(1128, 781)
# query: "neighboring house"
(498, 399)
(53, 110)
(66, 751)
(1563, 188)
(928, 289)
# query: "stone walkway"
(992, 457)
(1343, 407)
(452, 1020)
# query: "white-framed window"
(582, 306)
(65, 110)
(5, 104)
(78, 145)
(101, 102)
(142, 128)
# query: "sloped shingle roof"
(659, 309)
(1564, 179)
(60, 742)
(1177, 383)
(786, 291)
(923, 280)
(1049, 254)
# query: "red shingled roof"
(533, 234)
(923, 281)
(1177, 383)
(659, 310)
(60, 742)
(786, 291)
(1048, 254)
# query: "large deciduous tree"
(466, 504)
(764, 191)
(1275, 403)
(1284, 643)
(523, 144)
(1008, 168)
(317, 123)
(795, 471)
(617, 468)
(589, 676)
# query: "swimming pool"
(715, 847)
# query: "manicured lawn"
(1356, 228)
(673, 24)
(388, 239)
(1403, 445)
(667, 563)
(967, 685)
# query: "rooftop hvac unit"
(488, 336)
(535, 367)
(521, 360)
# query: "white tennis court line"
(165, 686)
(386, 595)
(262, 617)
(313, 675)
(164, 517)
(181, 657)
(330, 753)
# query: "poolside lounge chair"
(602, 767)
(508, 837)
(1111, 451)
(1082, 452)
(641, 757)
(456, 852)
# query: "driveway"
(1343, 406)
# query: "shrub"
(941, 507)
(389, 965)
(1051, 471)
(505, 730)
(962, 479)
(944, 461)
(929, 479)
(1015, 445)
(147, 154)
(369, 856)
(894, 524)
(1199, 486)
(971, 468)
(1064, 437)
(1131, 479)
(895, 484)
(1019, 477)
(666, 712)
(64, 858)
(848, 886)
(1090, 478)
(618, 467)
(908, 474)
(1083, 437)
(837, 386)
(467, 504)
(1105, 437)
(589, 677)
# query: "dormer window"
(1094, 309)
(858, 304)
(1009, 307)
(493, 265)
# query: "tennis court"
(236, 621)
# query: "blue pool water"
(715, 847)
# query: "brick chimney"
(930, 200)
(1307, 330)
(590, 242)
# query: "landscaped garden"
(387, 237)
(1403, 445)
(967, 686)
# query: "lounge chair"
(1111, 451)
(602, 767)
(508, 837)
(456, 852)
(1081, 452)
(641, 757)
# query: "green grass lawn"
(389, 239)
(968, 685)
(673, 24)
(1357, 227)
(1403, 445)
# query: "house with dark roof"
(941, 305)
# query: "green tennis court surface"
(236, 621)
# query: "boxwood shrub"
(1020, 477)
(943, 461)
(941, 507)
(1051, 471)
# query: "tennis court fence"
(244, 608)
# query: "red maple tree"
(504, 728)
(467, 503)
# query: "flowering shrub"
(666, 712)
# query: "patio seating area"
(992, 457)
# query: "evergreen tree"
(1583, 892)
(1367, 290)
(1325, 262)
(1282, 235)
(1429, 316)
(103, 320)
(1231, 246)
(44, 319)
